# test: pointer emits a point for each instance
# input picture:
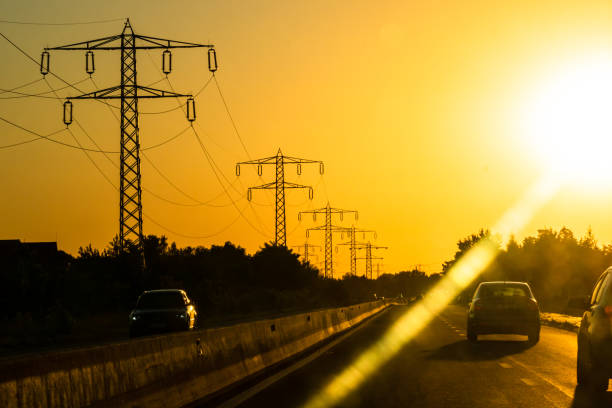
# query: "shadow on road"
(585, 398)
(463, 350)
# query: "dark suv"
(163, 310)
(594, 360)
(503, 308)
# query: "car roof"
(504, 283)
(163, 290)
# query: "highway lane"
(439, 368)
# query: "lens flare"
(464, 272)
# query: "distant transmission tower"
(329, 230)
(130, 192)
(368, 257)
(307, 248)
(354, 245)
(280, 185)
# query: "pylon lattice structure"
(329, 229)
(280, 185)
(368, 257)
(130, 192)
(354, 245)
(307, 252)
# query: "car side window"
(596, 290)
(601, 288)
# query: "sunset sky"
(432, 119)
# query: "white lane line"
(504, 365)
(245, 395)
(528, 382)
(565, 390)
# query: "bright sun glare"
(568, 122)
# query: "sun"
(567, 120)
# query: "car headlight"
(182, 315)
(135, 317)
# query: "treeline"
(224, 281)
(559, 266)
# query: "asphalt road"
(439, 368)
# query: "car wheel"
(586, 374)
(534, 336)
(472, 336)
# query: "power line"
(53, 140)
(21, 86)
(39, 95)
(59, 24)
(33, 140)
(231, 117)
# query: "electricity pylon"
(329, 229)
(307, 252)
(354, 245)
(130, 192)
(280, 185)
(368, 257)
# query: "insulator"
(341, 216)
(299, 216)
(356, 216)
(249, 194)
(314, 216)
(191, 113)
(321, 168)
(299, 169)
(166, 62)
(375, 235)
(307, 233)
(44, 63)
(259, 169)
(90, 65)
(342, 235)
(336, 249)
(237, 170)
(67, 113)
(310, 193)
(212, 60)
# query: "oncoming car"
(594, 359)
(162, 310)
(503, 308)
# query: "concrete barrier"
(170, 370)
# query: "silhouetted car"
(594, 359)
(503, 308)
(164, 310)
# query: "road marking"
(528, 382)
(567, 391)
(504, 365)
(245, 395)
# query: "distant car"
(164, 310)
(594, 359)
(504, 308)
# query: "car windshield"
(160, 300)
(507, 290)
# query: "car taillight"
(533, 305)
(477, 305)
(608, 310)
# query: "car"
(504, 308)
(162, 310)
(594, 357)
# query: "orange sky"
(415, 108)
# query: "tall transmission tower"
(307, 252)
(329, 229)
(280, 185)
(129, 92)
(368, 257)
(354, 245)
